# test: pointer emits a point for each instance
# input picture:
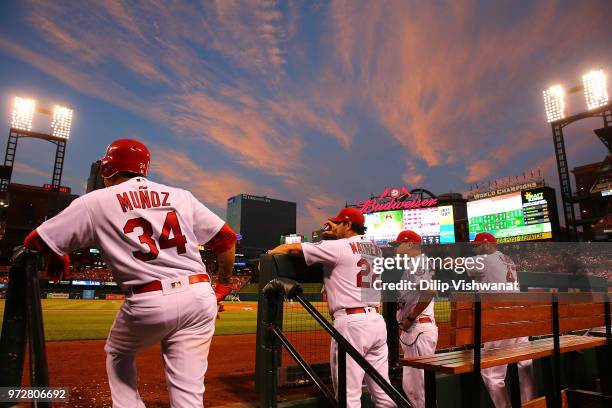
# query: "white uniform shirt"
(408, 299)
(146, 231)
(347, 266)
(498, 268)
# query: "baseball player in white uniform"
(415, 316)
(347, 265)
(499, 268)
(148, 233)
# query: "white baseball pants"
(494, 378)
(184, 322)
(366, 332)
(419, 340)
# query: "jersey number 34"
(171, 225)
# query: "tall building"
(94, 182)
(260, 221)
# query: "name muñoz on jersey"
(145, 231)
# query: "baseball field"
(70, 319)
(76, 330)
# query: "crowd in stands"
(240, 278)
(97, 274)
(589, 259)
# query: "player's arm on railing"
(223, 244)
(56, 266)
(287, 249)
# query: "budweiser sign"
(394, 199)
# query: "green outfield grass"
(92, 319)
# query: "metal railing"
(23, 323)
(274, 293)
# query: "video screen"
(519, 216)
(292, 239)
(435, 225)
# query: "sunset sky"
(314, 102)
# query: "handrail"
(23, 324)
(290, 289)
(305, 366)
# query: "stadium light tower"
(24, 110)
(554, 101)
(595, 89)
(598, 105)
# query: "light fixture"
(23, 112)
(554, 101)
(595, 90)
(62, 120)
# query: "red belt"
(353, 310)
(424, 319)
(157, 285)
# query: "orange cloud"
(212, 187)
(479, 170)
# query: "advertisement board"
(435, 224)
(52, 295)
(518, 216)
(88, 294)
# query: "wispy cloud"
(212, 187)
(24, 168)
(281, 88)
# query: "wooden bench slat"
(493, 332)
(462, 361)
(539, 312)
(581, 323)
(492, 298)
(462, 353)
(581, 297)
(536, 312)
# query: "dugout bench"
(482, 317)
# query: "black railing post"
(39, 374)
(606, 372)
(556, 352)
(477, 351)
(272, 305)
(341, 377)
(515, 385)
(13, 336)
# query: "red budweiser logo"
(395, 199)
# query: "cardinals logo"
(394, 192)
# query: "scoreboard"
(435, 225)
(518, 216)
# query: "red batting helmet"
(125, 155)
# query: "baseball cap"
(406, 236)
(349, 214)
(484, 237)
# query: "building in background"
(28, 207)
(94, 181)
(260, 222)
(594, 199)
